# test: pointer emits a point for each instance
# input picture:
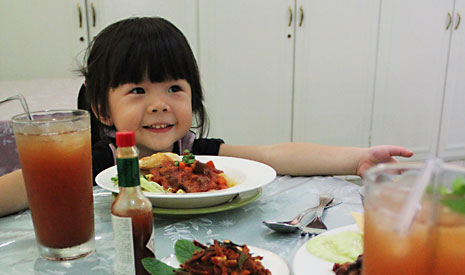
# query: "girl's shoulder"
(206, 146)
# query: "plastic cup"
(55, 154)
(435, 240)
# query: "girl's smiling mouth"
(161, 127)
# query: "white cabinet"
(277, 71)
(41, 39)
(246, 61)
(334, 71)
(182, 13)
(412, 63)
(452, 135)
(48, 38)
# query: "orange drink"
(435, 241)
(55, 154)
(450, 246)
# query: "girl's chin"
(152, 149)
(149, 141)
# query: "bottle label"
(124, 249)
(151, 243)
(128, 172)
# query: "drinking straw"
(21, 98)
(407, 214)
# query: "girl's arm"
(299, 159)
(12, 193)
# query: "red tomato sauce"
(198, 177)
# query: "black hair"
(130, 49)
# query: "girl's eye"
(137, 90)
(174, 89)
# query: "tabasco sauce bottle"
(131, 211)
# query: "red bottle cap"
(125, 139)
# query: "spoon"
(294, 224)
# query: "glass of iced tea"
(55, 154)
(434, 242)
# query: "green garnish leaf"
(157, 267)
(442, 190)
(241, 260)
(458, 186)
(184, 249)
(151, 186)
(176, 163)
(114, 179)
(188, 158)
(456, 200)
(453, 198)
(455, 204)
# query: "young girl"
(141, 75)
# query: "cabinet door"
(246, 51)
(182, 13)
(412, 58)
(41, 39)
(334, 71)
(452, 138)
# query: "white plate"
(273, 262)
(249, 174)
(305, 263)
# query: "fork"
(316, 226)
(294, 224)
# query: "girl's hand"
(379, 154)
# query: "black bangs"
(136, 56)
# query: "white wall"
(40, 94)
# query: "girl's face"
(159, 113)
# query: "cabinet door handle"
(458, 21)
(93, 14)
(301, 16)
(290, 16)
(80, 14)
(450, 20)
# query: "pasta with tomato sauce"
(187, 175)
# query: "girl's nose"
(159, 107)
(164, 109)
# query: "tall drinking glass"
(55, 154)
(434, 243)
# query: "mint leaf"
(458, 186)
(455, 200)
(184, 249)
(455, 204)
(442, 190)
(155, 266)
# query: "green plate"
(238, 201)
